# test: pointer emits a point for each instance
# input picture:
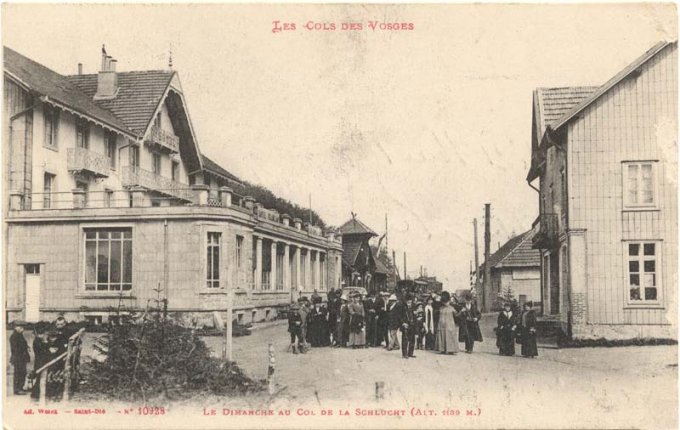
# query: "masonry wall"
(58, 247)
(634, 121)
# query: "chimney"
(107, 80)
(80, 68)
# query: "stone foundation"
(623, 332)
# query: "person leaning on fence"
(295, 328)
(20, 356)
(41, 350)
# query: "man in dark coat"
(394, 321)
(295, 328)
(344, 322)
(468, 330)
(371, 312)
(42, 357)
(505, 332)
(408, 328)
(333, 312)
(19, 356)
(381, 321)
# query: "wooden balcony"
(84, 160)
(548, 232)
(143, 178)
(161, 139)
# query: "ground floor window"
(642, 266)
(108, 259)
(213, 269)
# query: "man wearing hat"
(304, 312)
(371, 312)
(408, 327)
(295, 328)
(382, 320)
(469, 331)
(343, 320)
(394, 321)
(20, 356)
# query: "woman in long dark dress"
(357, 334)
(505, 332)
(527, 325)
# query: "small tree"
(154, 355)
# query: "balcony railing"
(266, 277)
(163, 138)
(81, 159)
(548, 231)
(131, 176)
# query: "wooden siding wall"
(635, 120)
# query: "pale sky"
(425, 126)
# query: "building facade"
(110, 206)
(605, 159)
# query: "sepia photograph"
(307, 216)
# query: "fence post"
(43, 387)
(67, 370)
(270, 371)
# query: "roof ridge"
(123, 73)
(613, 81)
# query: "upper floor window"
(639, 184)
(213, 268)
(108, 259)
(48, 187)
(51, 119)
(175, 170)
(110, 143)
(644, 282)
(82, 134)
(157, 163)
(239, 251)
(134, 156)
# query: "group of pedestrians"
(517, 327)
(384, 320)
(50, 342)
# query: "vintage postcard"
(340, 216)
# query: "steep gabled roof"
(628, 70)
(139, 94)
(58, 89)
(516, 252)
(552, 103)
(216, 169)
(549, 105)
(354, 226)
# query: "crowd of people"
(50, 342)
(435, 323)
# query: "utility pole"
(487, 251)
(477, 277)
(405, 272)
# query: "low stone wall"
(623, 332)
